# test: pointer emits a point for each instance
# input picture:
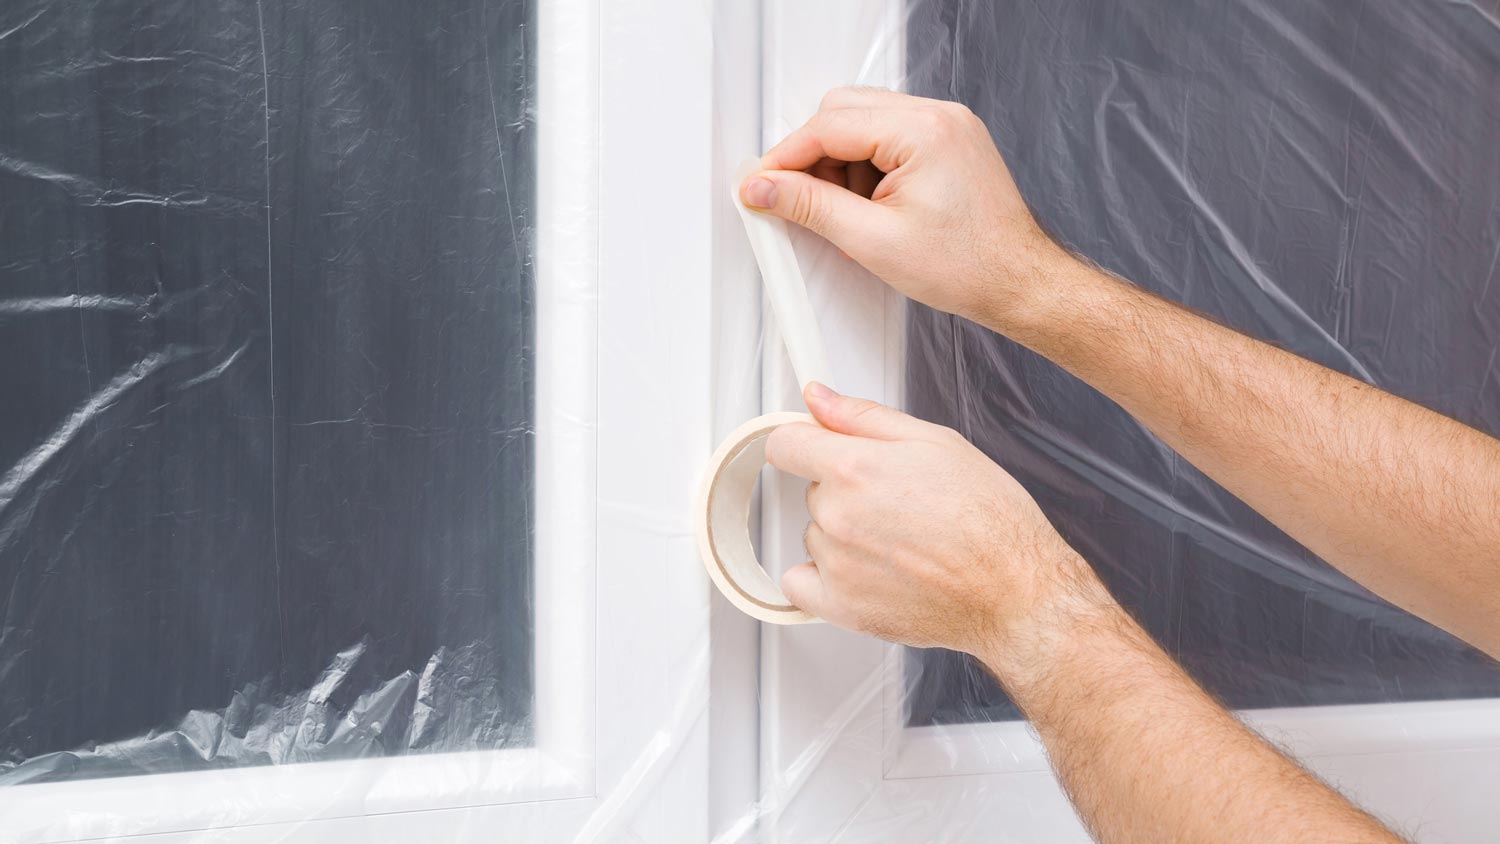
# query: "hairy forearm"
(1147, 756)
(1404, 500)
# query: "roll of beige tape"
(723, 517)
(723, 504)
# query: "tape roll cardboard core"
(723, 518)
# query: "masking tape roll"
(723, 517)
(723, 504)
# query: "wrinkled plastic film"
(264, 395)
(269, 286)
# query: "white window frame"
(836, 754)
(623, 426)
(1309, 732)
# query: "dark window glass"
(266, 327)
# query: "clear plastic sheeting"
(360, 361)
(266, 307)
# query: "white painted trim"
(655, 418)
(567, 328)
(1321, 731)
(734, 702)
(85, 810)
(734, 708)
(1306, 733)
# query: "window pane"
(266, 307)
(1205, 151)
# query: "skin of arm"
(1147, 756)
(1402, 499)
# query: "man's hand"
(919, 538)
(1405, 501)
(914, 190)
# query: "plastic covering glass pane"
(266, 449)
(333, 204)
(1321, 176)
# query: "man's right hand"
(1403, 500)
(915, 191)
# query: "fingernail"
(760, 193)
(819, 391)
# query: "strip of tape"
(723, 504)
(785, 288)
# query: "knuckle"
(828, 120)
(957, 110)
(829, 568)
(947, 120)
(835, 522)
(852, 118)
(858, 470)
(932, 119)
(951, 436)
(836, 98)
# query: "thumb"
(845, 218)
(861, 417)
(803, 586)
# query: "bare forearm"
(1148, 757)
(1402, 499)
